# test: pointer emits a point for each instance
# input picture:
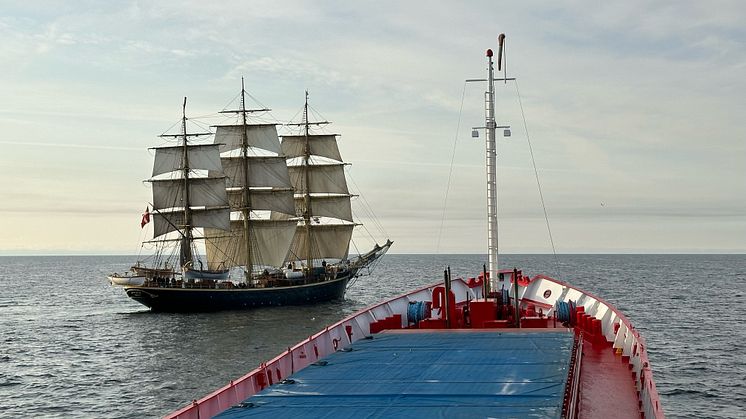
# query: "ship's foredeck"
(421, 354)
(418, 373)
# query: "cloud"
(637, 105)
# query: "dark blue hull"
(188, 299)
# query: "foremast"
(185, 253)
(183, 200)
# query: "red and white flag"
(145, 217)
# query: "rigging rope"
(538, 183)
(450, 170)
(365, 206)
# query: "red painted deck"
(607, 389)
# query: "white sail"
(319, 145)
(166, 222)
(330, 241)
(203, 192)
(264, 200)
(230, 137)
(264, 172)
(327, 178)
(169, 159)
(327, 206)
(270, 243)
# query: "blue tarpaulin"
(427, 374)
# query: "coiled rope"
(565, 311)
(416, 311)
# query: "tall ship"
(502, 343)
(271, 214)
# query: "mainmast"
(186, 199)
(307, 196)
(246, 208)
(257, 181)
(186, 257)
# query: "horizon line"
(631, 253)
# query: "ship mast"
(255, 181)
(186, 257)
(246, 209)
(491, 159)
(307, 196)
(491, 173)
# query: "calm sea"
(73, 346)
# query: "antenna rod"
(500, 41)
(502, 57)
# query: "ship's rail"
(333, 338)
(572, 391)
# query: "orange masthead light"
(489, 52)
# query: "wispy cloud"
(636, 105)
(68, 145)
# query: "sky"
(634, 113)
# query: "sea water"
(71, 345)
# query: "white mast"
(490, 125)
(491, 163)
